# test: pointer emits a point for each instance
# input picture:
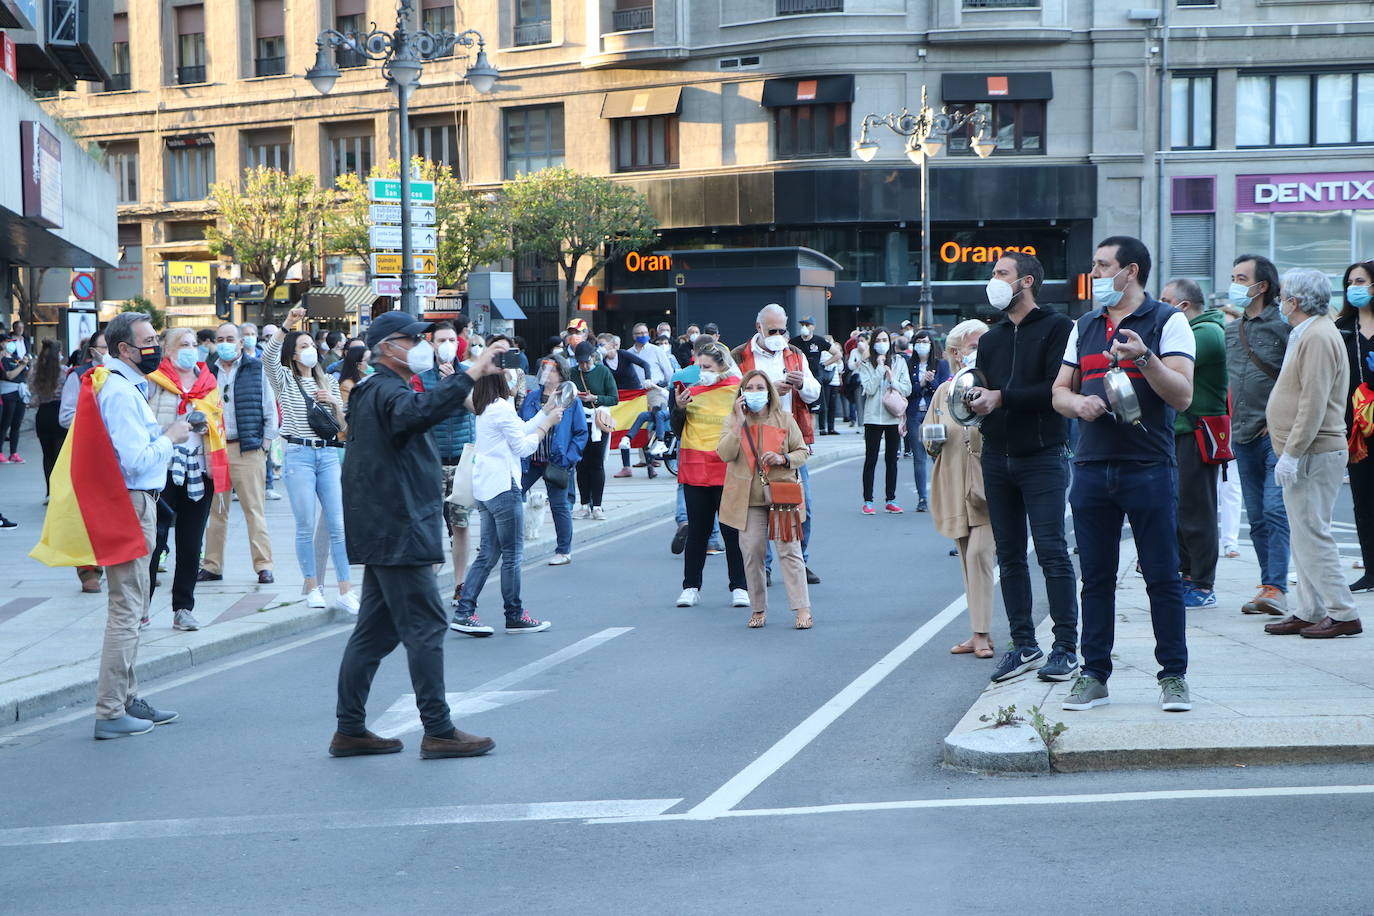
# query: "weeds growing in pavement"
(1006, 715)
(1048, 733)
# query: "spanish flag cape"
(90, 519)
(1362, 422)
(632, 404)
(203, 396)
(697, 461)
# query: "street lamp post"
(402, 53)
(926, 131)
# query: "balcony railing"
(191, 74)
(1001, 4)
(632, 20)
(269, 66)
(345, 58)
(534, 33)
(118, 82)
(798, 7)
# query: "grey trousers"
(1321, 590)
(399, 605)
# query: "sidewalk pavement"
(1257, 699)
(50, 632)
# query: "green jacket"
(599, 382)
(1209, 371)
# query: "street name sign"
(383, 263)
(389, 189)
(422, 238)
(391, 213)
(391, 286)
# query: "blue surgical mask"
(756, 400)
(250, 341)
(203, 352)
(1239, 294)
(1357, 296)
(186, 358)
(11, 347)
(1105, 292)
(227, 351)
(641, 339)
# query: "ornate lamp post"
(402, 53)
(926, 131)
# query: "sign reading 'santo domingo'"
(1297, 193)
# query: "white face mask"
(807, 330)
(1000, 293)
(308, 357)
(420, 358)
(476, 350)
(775, 342)
(923, 350)
(880, 347)
(971, 359)
(447, 351)
(693, 337)
(708, 377)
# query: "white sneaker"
(315, 598)
(271, 494)
(582, 512)
(560, 559)
(349, 602)
(739, 598)
(599, 514)
(688, 598)
(658, 449)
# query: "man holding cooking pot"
(1135, 354)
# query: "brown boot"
(90, 579)
(360, 745)
(455, 744)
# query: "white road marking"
(122, 831)
(403, 717)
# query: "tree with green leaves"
(144, 305)
(273, 224)
(472, 228)
(578, 221)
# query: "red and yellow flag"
(697, 461)
(90, 519)
(632, 404)
(203, 396)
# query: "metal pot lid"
(565, 395)
(965, 380)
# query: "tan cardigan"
(957, 501)
(1306, 411)
(742, 487)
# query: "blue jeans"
(1033, 488)
(806, 525)
(658, 417)
(680, 516)
(312, 475)
(503, 537)
(919, 459)
(1102, 496)
(560, 505)
(1264, 508)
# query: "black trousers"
(1199, 540)
(830, 396)
(875, 434)
(591, 473)
(1362, 494)
(703, 504)
(51, 435)
(11, 418)
(399, 605)
(189, 516)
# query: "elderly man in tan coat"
(1306, 417)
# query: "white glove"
(1286, 471)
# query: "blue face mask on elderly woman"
(186, 358)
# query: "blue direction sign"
(389, 189)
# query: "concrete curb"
(1005, 749)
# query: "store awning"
(355, 297)
(815, 90)
(500, 307)
(642, 103)
(996, 87)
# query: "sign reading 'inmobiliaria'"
(1296, 193)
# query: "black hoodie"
(1022, 361)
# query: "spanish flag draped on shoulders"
(90, 519)
(203, 395)
(698, 464)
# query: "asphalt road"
(663, 760)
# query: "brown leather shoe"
(1288, 626)
(359, 745)
(1327, 628)
(456, 744)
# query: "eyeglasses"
(775, 331)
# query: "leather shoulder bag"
(784, 497)
(320, 418)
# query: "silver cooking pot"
(1121, 396)
(960, 389)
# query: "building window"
(268, 148)
(1191, 100)
(190, 167)
(344, 58)
(271, 57)
(632, 16)
(812, 131)
(437, 17)
(1305, 109)
(187, 230)
(438, 142)
(1328, 241)
(1017, 127)
(350, 150)
(533, 22)
(645, 143)
(800, 7)
(119, 55)
(122, 161)
(191, 58)
(1001, 4)
(534, 139)
(269, 29)
(1193, 246)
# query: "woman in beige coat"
(742, 506)
(957, 502)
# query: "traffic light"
(226, 291)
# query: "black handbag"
(320, 418)
(555, 475)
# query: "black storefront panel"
(968, 253)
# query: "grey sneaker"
(123, 727)
(140, 709)
(184, 620)
(1086, 693)
(1173, 695)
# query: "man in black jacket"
(393, 517)
(1025, 471)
